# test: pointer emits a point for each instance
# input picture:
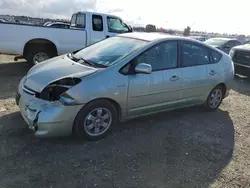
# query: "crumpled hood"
(54, 69)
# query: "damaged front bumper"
(47, 118)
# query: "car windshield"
(109, 51)
(215, 42)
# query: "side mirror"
(143, 68)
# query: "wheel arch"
(38, 42)
(223, 86)
(112, 101)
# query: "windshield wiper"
(71, 56)
(88, 62)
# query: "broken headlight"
(66, 99)
(55, 89)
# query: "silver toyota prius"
(120, 78)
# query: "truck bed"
(13, 37)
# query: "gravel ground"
(184, 148)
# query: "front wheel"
(214, 98)
(96, 120)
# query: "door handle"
(212, 72)
(107, 36)
(174, 78)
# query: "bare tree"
(150, 28)
(187, 31)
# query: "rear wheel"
(214, 98)
(96, 120)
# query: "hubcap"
(215, 98)
(39, 57)
(97, 121)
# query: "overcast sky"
(228, 16)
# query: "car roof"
(59, 23)
(150, 36)
(197, 36)
(225, 39)
(99, 13)
(55, 23)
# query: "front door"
(159, 90)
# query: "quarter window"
(161, 56)
(97, 23)
(216, 56)
(115, 25)
(193, 55)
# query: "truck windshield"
(78, 20)
(115, 25)
(109, 51)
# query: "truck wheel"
(38, 55)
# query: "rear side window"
(194, 54)
(215, 56)
(97, 23)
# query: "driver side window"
(160, 57)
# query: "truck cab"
(99, 26)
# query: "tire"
(35, 51)
(211, 106)
(85, 125)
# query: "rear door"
(159, 90)
(194, 59)
(214, 70)
(97, 28)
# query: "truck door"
(114, 26)
(97, 28)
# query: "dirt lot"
(186, 148)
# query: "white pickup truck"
(36, 44)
